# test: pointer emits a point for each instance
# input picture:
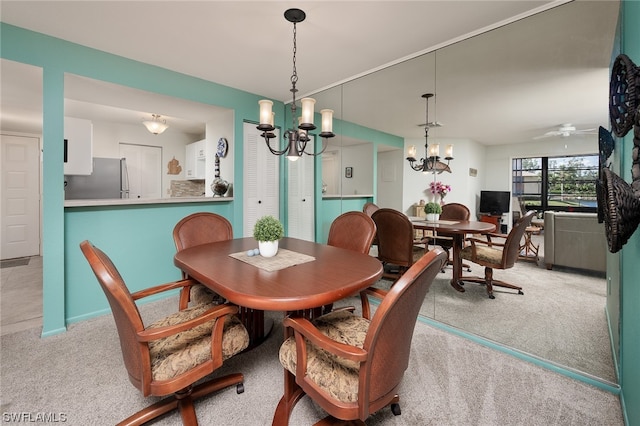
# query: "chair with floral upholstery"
(192, 230)
(492, 254)
(169, 356)
(352, 365)
(352, 231)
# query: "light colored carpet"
(561, 316)
(450, 381)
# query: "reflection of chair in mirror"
(451, 211)
(172, 354)
(352, 365)
(496, 255)
(369, 209)
(395, 241)
(193, 230)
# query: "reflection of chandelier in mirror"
(155, 125)
(431, 162)
(297, 137)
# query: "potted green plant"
(267, 231)
(433, 210)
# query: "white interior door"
(144, 166)
(261, 188)
(19, 196)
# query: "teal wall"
(138, 238)
(630, 253)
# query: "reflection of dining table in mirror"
(458, 230)
(316, 275)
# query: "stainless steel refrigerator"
(109, 179)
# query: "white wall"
(465, 188)
(389, 180)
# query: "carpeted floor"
(450, 381)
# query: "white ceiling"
(505, 86)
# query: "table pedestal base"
(256, 325)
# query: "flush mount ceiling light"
(297, 136)
(155, 125)
(430, 163)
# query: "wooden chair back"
(388, 340)
(201, 228)
(352, 231)
(455, 211)
(395, 237)
(369, 208)
(126, 315)
(511, 249)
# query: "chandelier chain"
(294, 76)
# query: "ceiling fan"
(566, 130)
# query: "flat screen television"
(495, 202)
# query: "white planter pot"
(268, 248)
(432, 217)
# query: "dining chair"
(368, 209)
(493, 255)
(170, 355)
(352, 365)
(192, 230)
(451, 211)
(395, 241)
(352, 231)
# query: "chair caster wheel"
(395, 409)
(240, 388)
(520, 292)
(491, 296)
(468, 269)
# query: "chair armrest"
(486, 242)
(162, 288)
(304, 329)
(216, 312)
(378, 293)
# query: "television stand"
(493, 219)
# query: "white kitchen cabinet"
(78, 146)
(261, 184)
(196, 160)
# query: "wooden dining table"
(457, 229)
(320, 275)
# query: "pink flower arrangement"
(439, 188)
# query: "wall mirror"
(365, 102)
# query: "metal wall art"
(619, 202)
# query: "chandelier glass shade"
(297, 136)
(155, 125)
(431, 162)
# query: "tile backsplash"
(187, 188)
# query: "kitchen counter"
(138, 201)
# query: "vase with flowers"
(440, 189)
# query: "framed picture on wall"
(348, 172)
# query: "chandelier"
(155, 125)
(430, 163)
(297, 136)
